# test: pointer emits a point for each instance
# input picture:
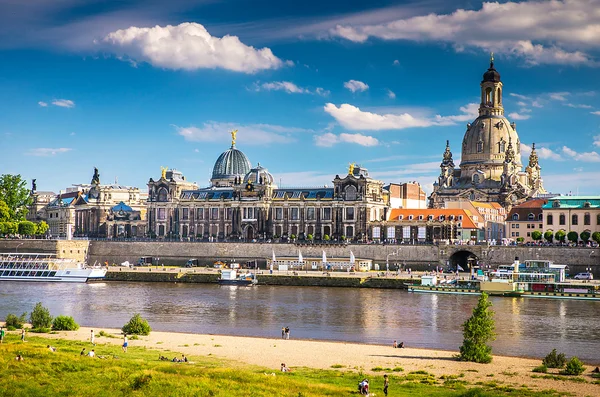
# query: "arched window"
(501, 147)
(475, 178)
(499, 96)
(531, 217)
(162, 194)
(515, 217)
(488, 96)
(574, 219)
(561, 219)
(586, 218)
(479, 146)
(549, 220)
(540, 217)
(350, 193)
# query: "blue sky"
(312, 86)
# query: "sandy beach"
(271, 352)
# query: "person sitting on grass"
(19, 358)
(52, 349)
(401, 345)
(284, 368)
(162, 358)
(184, 359)
(92, 353)
(82, 352)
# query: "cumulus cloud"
(391, 94)
(352, 118)
(578, 105)
(189, 46)
(250, 134)
(588, 157)
(63, 103)
(46, 152)
(519, 116)
(542, 152)
(288, 87)
(329, 139)
(42, 104)
(550, 32)
(559, 96)
(597, 113)
(596, 140)
(396, 62)
(355, 85)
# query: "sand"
(270, 353)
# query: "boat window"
(52, 274)
(12, 273)
(45, 274)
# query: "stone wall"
(73, 249)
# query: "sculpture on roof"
(351, 168)
(33, 186)
(233, 136)
(96, 177)
(163, 172)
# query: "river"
(525, 327)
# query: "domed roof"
(486, 141)
(230, 163)
(491, 74)
(259, 175)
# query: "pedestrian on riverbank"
(386, 384)
(125, 343)
(22, 334)
(282, 332)
(395, 345)
(1, 334)
(92, 338)
(287, 332)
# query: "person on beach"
(284, 368)
(363, 387)
(82, 352)
(282, 332)
(386, 384)
(287, 332)
(22, 334)
(395, 345)
(125, 343)
(184, 359)
(401, 345)
(1, 334)
(92, 339)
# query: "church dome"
(491, 74)
(258, 176)
(486, 141)
(231, 163)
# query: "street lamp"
(17, 249)
(387, 259)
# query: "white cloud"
(552, 32)
(355, 85)
(578, 106)
(596, 140)
(329, 139)
(542, 152)
(42, 104)
(352, 118)
(559, 96)
(189, 46)
(396, 62)
(522, 97)
(288, 87)
(588, 157)
(251, 134)
(391, 94)
(63, 103)
(597, 113)
(45, 152)
(322, 91)
(517, 116)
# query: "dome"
(491, 74)
(230, 163)
(258, 176)
(486, 141)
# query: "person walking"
(386, 384)
(1, 334)
(22, 334)
(125, 343)
(287, 332)
(282, 332)
(92, 339)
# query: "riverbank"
(373, 360)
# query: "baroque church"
(243, 202)
(490, 169)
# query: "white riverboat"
(46, 267)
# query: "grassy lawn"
(139, 373)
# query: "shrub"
(554, 360)
(596, 237)
(542, 369)
(560, 235)
(536, 235)
(137, 326)
(40, 317)
(573, 237)
(477, 331)
(15, 322)
(326, 237)
(549, 236)
(520, 239)
(584, 236)
(26, 228)
(574, 367)
(64, 323)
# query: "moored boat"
(231, 277)
(46, 267)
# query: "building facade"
(406, 195)
(492, 214)
(524, 219)
(490, 168)
(243, 203)
(572, 214)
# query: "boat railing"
(33, 262)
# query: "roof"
(230, 163)
(533, 203)
(122, 207)
(573, 202)
(436, 213)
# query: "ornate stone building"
(490, 168)
(244, 203)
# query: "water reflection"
(525, 327)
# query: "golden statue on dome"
(163, 172)
(351, 168)
(233, 135)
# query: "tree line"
(14, 205)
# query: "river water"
(525, 327)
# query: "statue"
(233, 135)
(96, 177)
(351, 169)
(163, 172)
(33, 186)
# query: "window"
(278, 214)
(540, 217)
(228, 213)
(574, 219)
(501, 146)
(327, 214)
(214, 213)
(185, 214)
(162, 194)
(598, 219)
(295, 214)
(162, 213)
(410, 217)
(200, 213)
(391, 232)
(517, 226)
(350, 213)
(549, 219)
(586, 218)
(350, 193)
(376, 232)
(310, 213)
(528, 234)
(400, 217)
(479, 147)
(561, 219)
(476, 178)
(515, 217)
(420, 217)
(530, 217)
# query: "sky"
(130, 86)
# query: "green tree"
(549, 236)
(64, 323)
(309, 237)
(4, 212)
(40, 317)
(520, 239)
(41, 228)
(137, 326)
(536, 235)
(560, 236)
(478, 330)
(12, 321)
(596, 237)
(26, 228)
(326, 237)
(573, 237)
(14, 193)
(585, 236)
(8, 228)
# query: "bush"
(574, 367)
(560, 235)
(542, 369)
(64, 323)
(137, 326)
(40, 317)
(596, 237)
(536, 235)
(26, 228)
(15, 322)
(326, 237)
(549, 236)
(477, 331)
(554, 360)
(584, 236)
(573, 237)
(520, 239)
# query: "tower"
(446, 178)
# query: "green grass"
(139, 373)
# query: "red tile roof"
(467, 221)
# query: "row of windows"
(530, 217)
(252, 213)
(574, 219)
(441, 218)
